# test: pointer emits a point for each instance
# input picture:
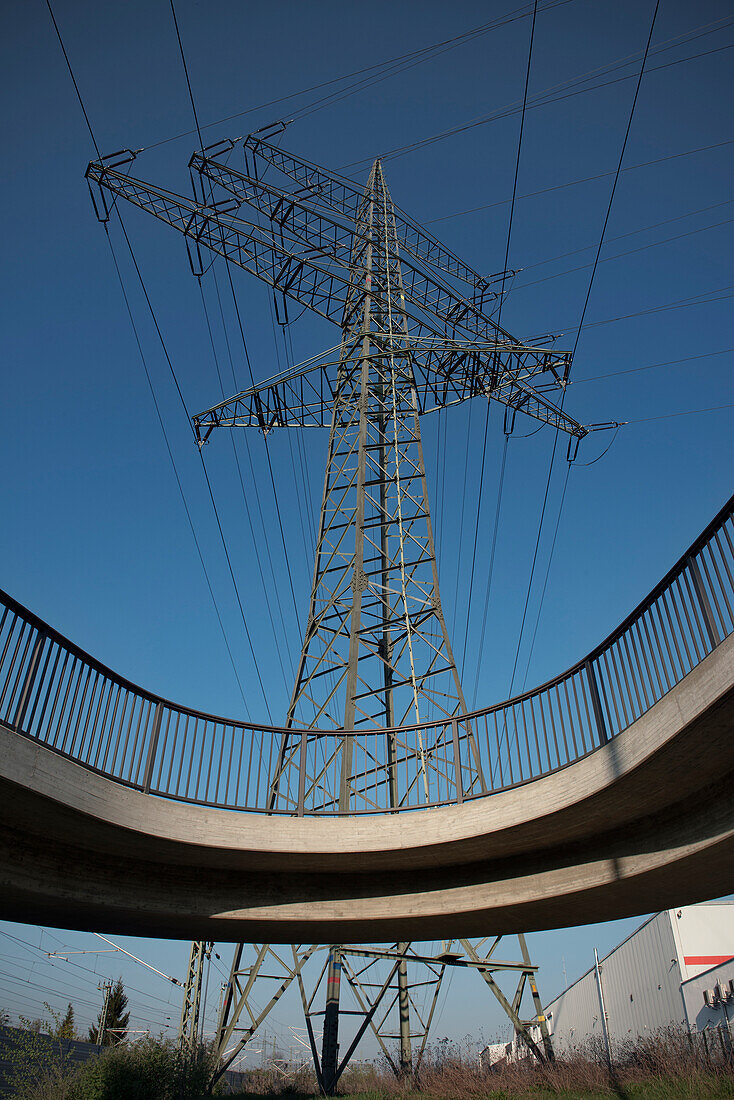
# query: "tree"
(65, 1028)
(115, 1025)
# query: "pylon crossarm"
(302, 222)
(304, 396)
(308, 279)
(336, 193)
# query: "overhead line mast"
(416, 336)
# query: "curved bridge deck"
(610, 793)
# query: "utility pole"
(101, 1030)
(416, 336)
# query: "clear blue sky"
(96, 538)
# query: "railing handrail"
(50, 632)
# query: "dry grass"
(666, 1066)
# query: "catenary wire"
(215, 509)
(547, 98)
(241, 479)
(620, 255)
(616, 179)
(517, 13)
(499, 322)
(266, 590)
(653, 366)
(176, 473)
(186, 74)
(585, 179)
(576, 342)
(73, 79)
(490, 569)
(96, 146)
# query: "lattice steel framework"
(189, 1029)
(416, 335)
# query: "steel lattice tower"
(376, 656)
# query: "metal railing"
(53, 692)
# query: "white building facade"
(651, 980)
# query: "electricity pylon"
(190, 1024)
(417, 335)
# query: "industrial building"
(676, 969)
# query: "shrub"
(151, 1069)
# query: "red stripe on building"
(706, 960)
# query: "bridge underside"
(645, 822)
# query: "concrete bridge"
(607, 792)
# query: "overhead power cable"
(653, 366)
(548, 566)
(176, 474)
(200, 449)
(268, 591)
(632, 233)
(490, 570)
(616, 179)
(578, 334)
(73, 79)
(584, 179)
(555, 93)
(621, 255)
(426, 53)
(215, 509)
(706, 297)
(186, 74)
(499, 319)
(683, 412)
(158, 413)
(241, 481)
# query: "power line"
(336, 97)
(73, 79)
(578, 334)
(147, 373)
(584, 179)
(475, 32)
(616, 178)
(619, 255)
(176, 473)
(490, 568)
(548, 566)
(630, 232)
(239, 472)
(186, 74)
(706, 297)
(255, 542)
(203, 467)
(564, 90)
(499, 318)
(684, 412)
(653, 366)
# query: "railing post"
(155, 732)
(703, 602)
(596, 702)
(457, 762)
(302, 774)
(28, 683)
